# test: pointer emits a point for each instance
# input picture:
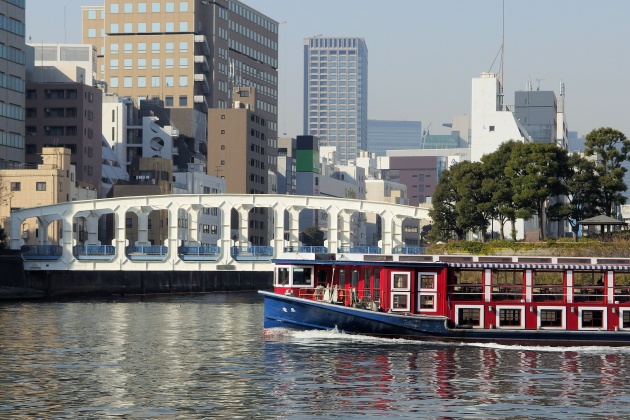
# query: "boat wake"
(319, 337)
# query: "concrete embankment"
(18, 284)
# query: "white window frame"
(604, 310)
(621, 312)
(400, 291)
(498, 309)
(481, 309)
(432, 291)
(539, 310)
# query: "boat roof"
(458, 261)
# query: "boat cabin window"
(466, 285)
(625, 319)
(622, 287)
(367, 274)
(510, 317)
(294, 276)
(400, 301)
(548, 286)
(469, 316)
(400, 281)
(342, 278)
(377, 279)
(302, 276)
(355, 278)
(592, 318)
(507, 284)
(588, 286)
(551, 317)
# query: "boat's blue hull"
(302, 314)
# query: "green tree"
(474, 208)
(582, 194)
(3, 239)
(499, 186)
(537, 172)
(313, 236)
(612, 149)
(443, 212)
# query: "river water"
(205, 356)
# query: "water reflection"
(205, 356)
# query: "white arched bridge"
(60, 245)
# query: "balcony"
(94, 252)
(201, 99)
(203, 42)
(42, 252)
(201, 79)
(146, 252)
(202, 60)
(199, 253)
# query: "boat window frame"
(582, 309)
(406, 295)
(563, 317)
(393, 279)
(622, 312)
(481, 310)
(423, 292)
(500, 308)
(291, 268)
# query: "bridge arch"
(232, 249)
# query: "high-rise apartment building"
(188, 53)
(336, 93)
(12, 85)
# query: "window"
(16, 186)
(113, 64)
(142, 27)
(155, 27)
(400, 301)
(183, 26)
(113, 28)
(169, 63)
(155, 7)
(142, 81)
(40, 186)
(142, 7)
(169, 47)
(214, 229)
(91, 33)
(491, 128)
(155, 63)
(592, 318)
(169, 101)
(113, 8)
(142, 47)
(183, 100)
(400, 281)
(469, 316)
(169, 7)
(183, 80)
(155, 47)
(92, 14)
(302, 276)
(169, 27)
(127, 81)
(127, 27)
(551, 317)
(183, 47)
(127, 63)
(169, 80)
(142, 63)
(113, 82)
(155, 81)
(510, 317)
(183, 6)
(183, 63)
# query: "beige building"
(188, 53)
(242, 147)
(51, 182)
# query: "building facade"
(336, 94)
(188, 53)
(66, 115)
(12, 82)
(386, 135)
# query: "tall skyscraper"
(12, 85)
(336, 93)
(188, 53)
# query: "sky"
(423, 54)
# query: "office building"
(189, 54)
(336, 94)
(386, 135)
(12, 83)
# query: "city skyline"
(570, 41)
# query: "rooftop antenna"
(501, 66)
(538, 83)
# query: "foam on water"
(319, 337)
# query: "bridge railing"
(147, 249)
(94, 251)
(307, 249)
(199, 250)
(252, 253)
(411, 250)
(362, 249)
(42, 252)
